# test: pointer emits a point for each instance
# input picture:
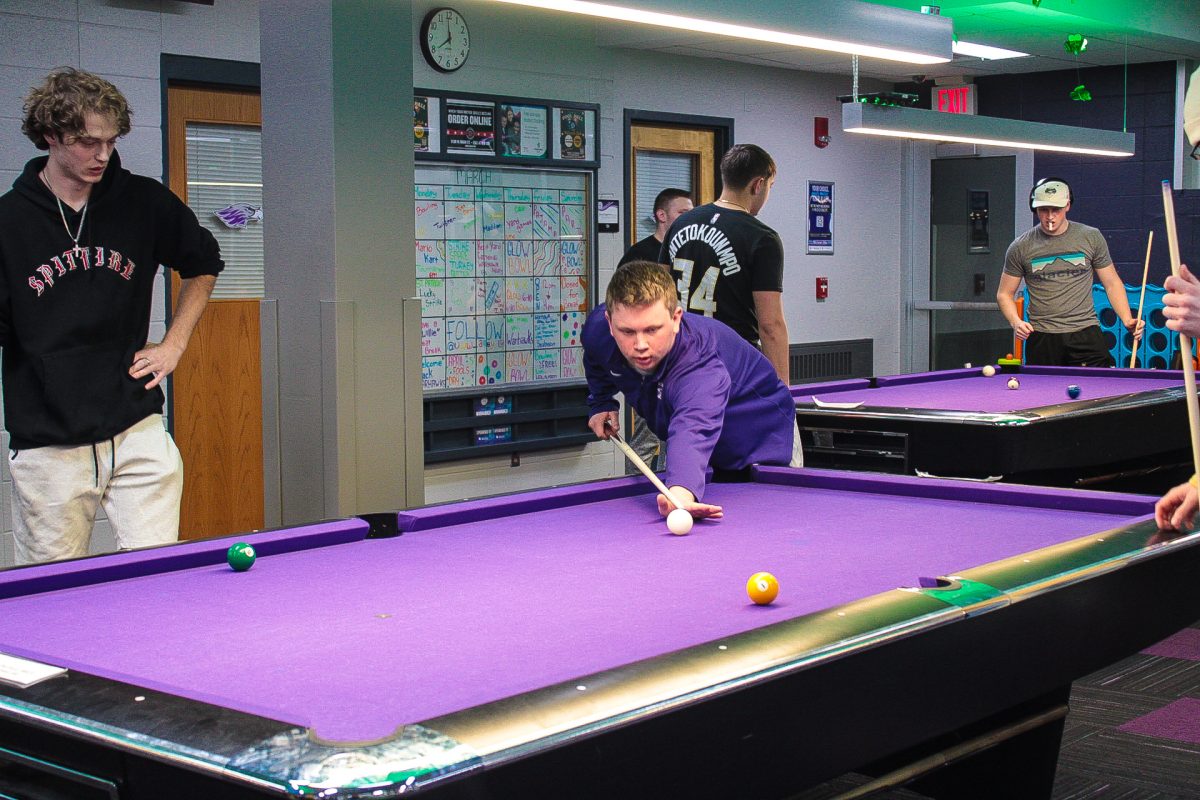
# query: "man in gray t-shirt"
(1056, 259)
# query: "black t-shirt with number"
(719, 257)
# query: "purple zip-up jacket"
(714, 399)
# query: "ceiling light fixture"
(849, 26)
(985, 51)
(918, 123)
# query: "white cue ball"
(679, 522)
(1013, 383)
(989, 371)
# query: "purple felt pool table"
(563, 643)
(1127, 430)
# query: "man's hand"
(1181, 303)
(1022, 329)
(159, 360)
(697, 510)
(604, 423)
(1176, 509)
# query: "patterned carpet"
(1134, 729)
(1133, 732)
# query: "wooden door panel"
(218, 422)
(217, 389)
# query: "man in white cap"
(1177, 508)
(1056, 259)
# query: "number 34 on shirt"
(704, 300)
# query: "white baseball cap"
(1191, 109)
(1051, 193)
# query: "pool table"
(1127, 430)
(561, 643)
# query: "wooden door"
(216, 414)
(647, 140)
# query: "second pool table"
(1126, 431)
(562, 643)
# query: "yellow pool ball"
(762, 588)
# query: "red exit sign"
(954, 99)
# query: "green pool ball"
(240, 556)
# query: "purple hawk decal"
(238, 215)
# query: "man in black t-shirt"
(727, 264)
(668, 206)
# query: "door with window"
(215, 166)
(665, 156)
(970, 227)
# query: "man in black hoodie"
(80, 243)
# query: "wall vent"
(810, 362)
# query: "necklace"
(63, 214)
(738, 206)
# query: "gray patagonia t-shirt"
(1058, 272)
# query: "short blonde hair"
(59, 105)
(640, 283)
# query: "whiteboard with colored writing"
(504, 270)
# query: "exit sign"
(954, 99)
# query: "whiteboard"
(504, 275)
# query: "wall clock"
(445, 40)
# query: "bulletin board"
(504, 271)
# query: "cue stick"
(1141, 300)
(636, 460)
(1185, 341)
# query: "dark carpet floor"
(1133, 731)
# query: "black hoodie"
(70, 321)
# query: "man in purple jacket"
(712, 396)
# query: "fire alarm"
(822, 288)
(821, 131)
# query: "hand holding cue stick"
(1185, 341)
(1137, 337)
(636, 460)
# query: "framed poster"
(574, 134)
(427, 129)
(504, 273)
(521, 130)
(470, 127)
(820, 218)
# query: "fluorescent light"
(984, 51)
(881, 24)
(918, 123)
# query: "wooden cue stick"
(1185, 341)
(636, 460)
(1141, 301)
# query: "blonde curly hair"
(59, 105)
